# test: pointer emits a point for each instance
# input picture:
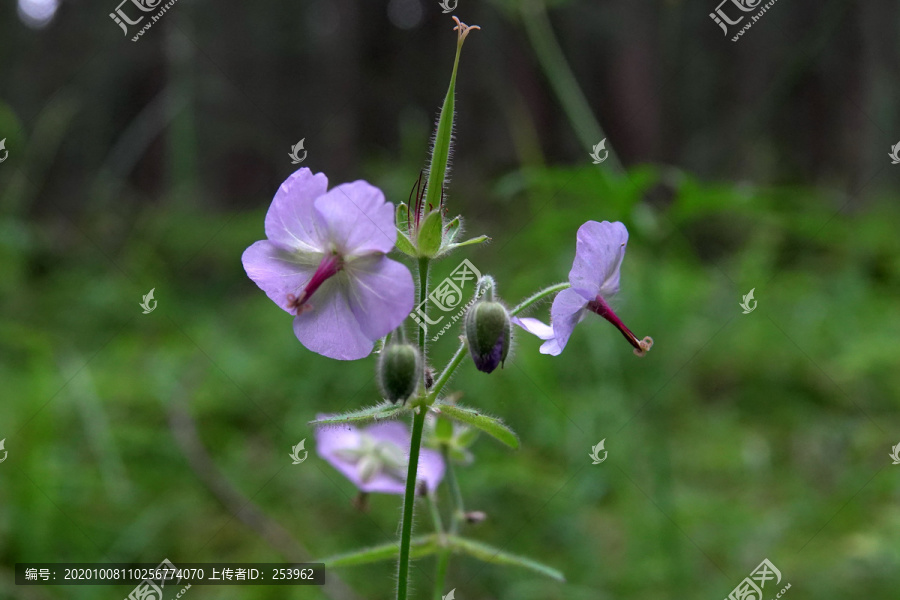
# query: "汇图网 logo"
(595, 452)
(447, 296)
(596, 153)
(296, 159)
(751, 588)
(745, 303)
(295, 452)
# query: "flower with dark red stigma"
(324, 262)
(594, 280)
(375, 458)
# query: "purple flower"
(325, 262)
(376, 457)
(595, 280)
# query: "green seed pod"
(399, 369)
(489, 332)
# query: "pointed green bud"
(399, 368)
(489, 332)
(432, 200)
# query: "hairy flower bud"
(489, 332)
(398, 371)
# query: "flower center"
(372, 457)
(599, 306)
(329, 267)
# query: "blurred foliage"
(738, 436)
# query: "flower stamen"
(599, 306)
(329, 267)
(463, 30)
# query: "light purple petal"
(277, 272)
(534, 327)
(291, 221)
(356, 218)
(330, 328)
(598, 257)
(431, 468)
(431, 463)
(566, 312)
(394, 432)
(330, 440)
(381, 294)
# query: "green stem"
(456, 517)
(444, 555)
(447, 372)
(435, 513)
(539, 296)
(423, 294)
(441, 573)
(409, 500)
(415, 443)
(559, 74)
(455, 492)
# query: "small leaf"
(404, 245)
(470, 242)
(451, 231)
(489, 554)
(425, 545)
(402, 217)
(385, 410)
(490, 425)
(430, 234)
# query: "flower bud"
(489, 332)
(475, 516)
(398, 371)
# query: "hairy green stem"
(423, 306)
(539, 296)
(415, 443)
(447, 372)
(409, 501)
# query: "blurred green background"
(759, 164)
